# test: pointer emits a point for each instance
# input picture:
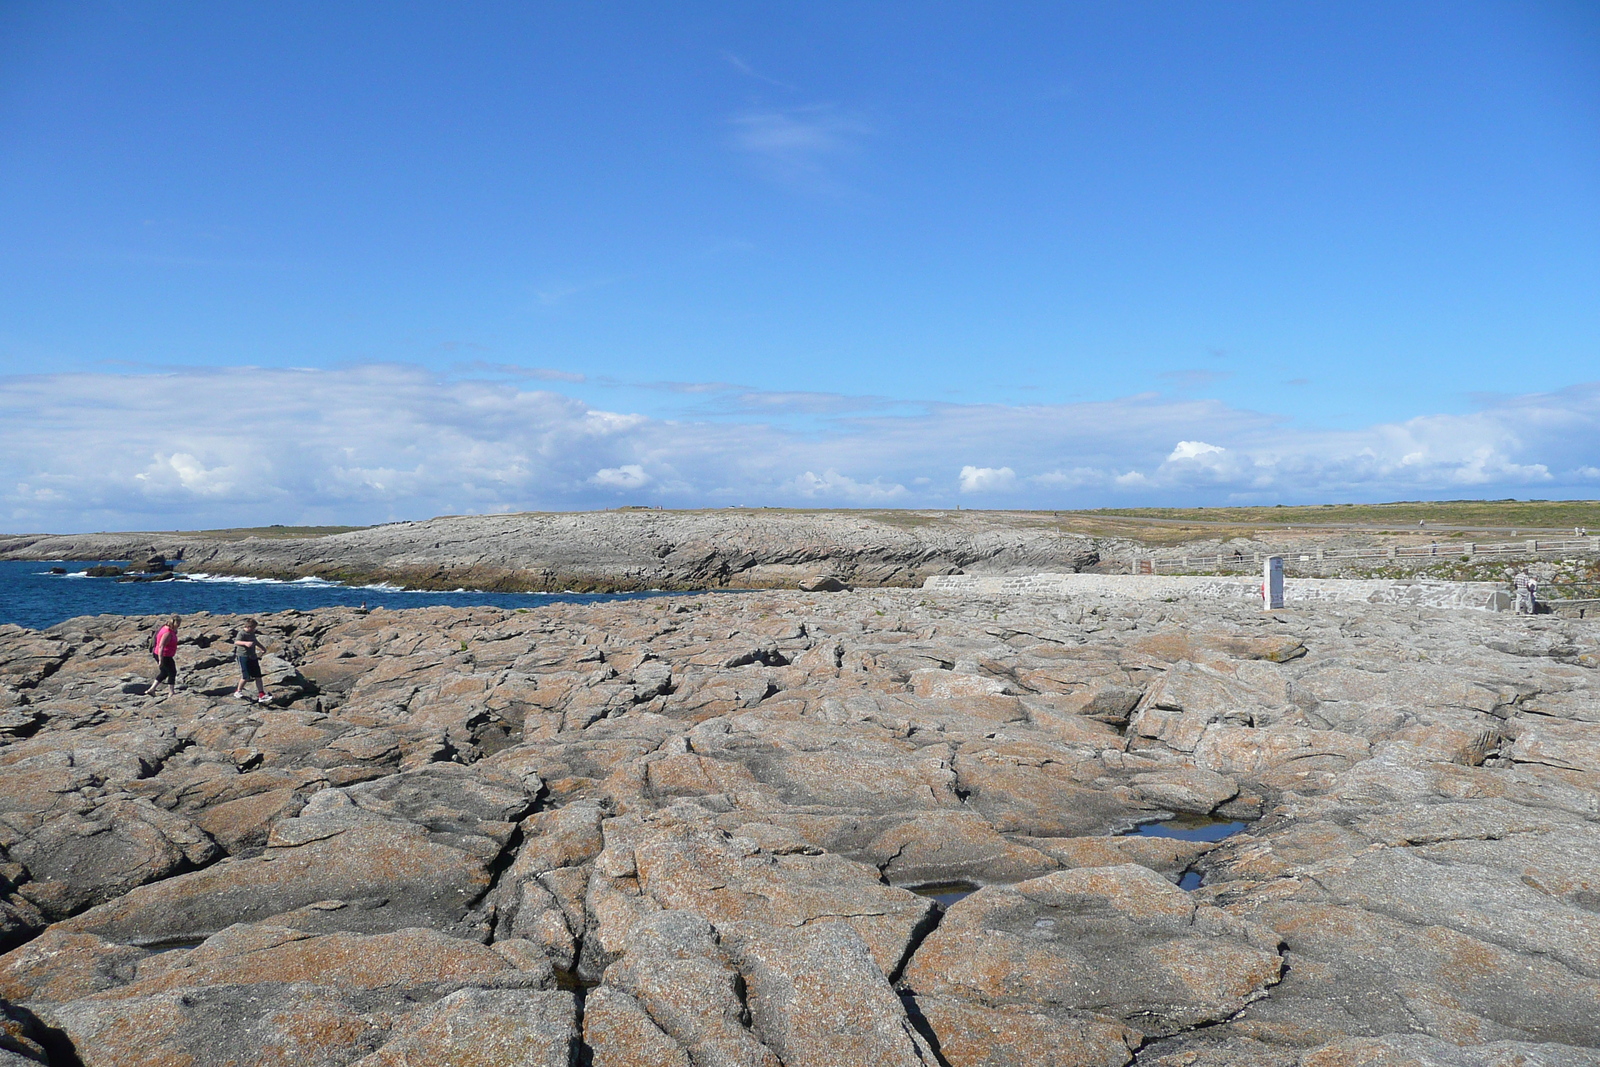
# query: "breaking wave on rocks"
(32, 596)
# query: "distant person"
(165, 650)
(1526, 588)
(248, 648)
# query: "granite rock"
(708, 829)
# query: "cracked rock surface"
(709, 830)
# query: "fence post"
(1533, 546)
(1391, 552)
(1272, 583)
(1469, 549)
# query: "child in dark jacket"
(248, 648)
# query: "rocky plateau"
(755, 548)
(786, 829)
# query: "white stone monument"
(1272, 583)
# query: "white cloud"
(987, 479)
(835, 486)
(1076, 478)
(611, 422)
(378, 442)
(185, 471)
(748, 71)
(798, 147)
(627, 476)
(1192, 450)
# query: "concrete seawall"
(1421, 592)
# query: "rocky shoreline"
(709, 830)
(619, 551)
(765, 548)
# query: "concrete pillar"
(1272, 583)
(1319, 552)
(1469, 549)
(1391, 553)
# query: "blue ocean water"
(31, 596)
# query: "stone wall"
(1485, 596)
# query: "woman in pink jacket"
(164, 648)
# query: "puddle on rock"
(945, 893)
(569, 981)
(175, 944)
(1190, 828)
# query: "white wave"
(231, 579)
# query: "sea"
(31, 596)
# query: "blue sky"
(292, 262)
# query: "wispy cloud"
(369, 443)
(799, 147)
(836, 488)
(748, 71)
(807, 403)
(731, 400)
(1195, 378)
(541, 374)
(554, 293)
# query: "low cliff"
(619, 550)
